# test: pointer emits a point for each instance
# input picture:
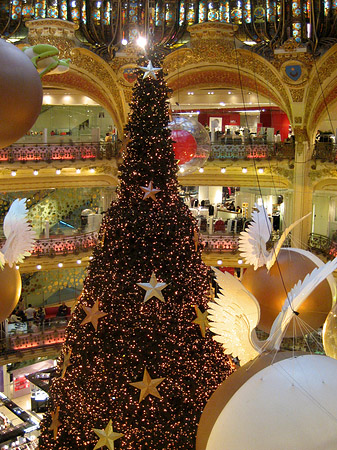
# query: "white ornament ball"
(290, 404)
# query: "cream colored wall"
(321, 213)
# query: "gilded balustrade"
(75, 151)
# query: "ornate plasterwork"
(91, 75)
(298, 119)
(255, 73)
(297, 95)
(321, 72)
(59, 33)
(301, 135)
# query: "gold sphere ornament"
(330, 333)
(10, 288)
(270, 289)
(285, 401)
(21, 94)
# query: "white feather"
(19, 234)
(233, 316)
(252, 242)
(298, 294)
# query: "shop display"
(21, 93)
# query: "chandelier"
(106, 25)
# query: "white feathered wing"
(235, 313)
(19, 235)
(233, 316)
(253, 241)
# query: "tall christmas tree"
(138, 363)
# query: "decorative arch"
(322, 89)
(234, 68)
(93, 77)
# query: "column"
(302, 199)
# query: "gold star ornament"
(107, 437)
(150, 191)
(55, 423)
(66, 363)
(201, 320)
(150, 71)
(148, 386)
(153, 289)
(92, 315)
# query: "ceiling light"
(13, 173)
(141, 42)
(92, 170)
(79, 261)
(124, 41)
(201, 170)
(91, 257)
(36, 172)
(240, 261)
(60, 265)
(181, 170)
(244, 170)
(260, 170)
(78, 170)
(39, 267)
(229, 92)
(17, 267)
(223, 170)
(219, 262)
(222, 104)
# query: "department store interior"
(268, 138)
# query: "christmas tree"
(138, 363)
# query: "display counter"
(225, 214)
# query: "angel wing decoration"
(235, 313)
(19, 235)
(253, 242)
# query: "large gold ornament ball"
(10, 289)
(330, 333)
(285, 401)
(270, 289)
(21, 94)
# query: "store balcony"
(253, 150)
(325, 151)
(64, 152)
(76, 249)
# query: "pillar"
(302, 199)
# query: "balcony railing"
(325, 151)
(64, 245)
(252, 151)
(81, 151)
(75, 151)
(318, 243)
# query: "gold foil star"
(150, 71)
(107, 437)
(55, 423)
(93, 315)
(148, 386)
(150, 191)
(201, 320)
(66, 363)
(153, 289)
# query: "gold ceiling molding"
(324, 71)
(90, 75)
(59, 33)
(218, 76)
(255, 72)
